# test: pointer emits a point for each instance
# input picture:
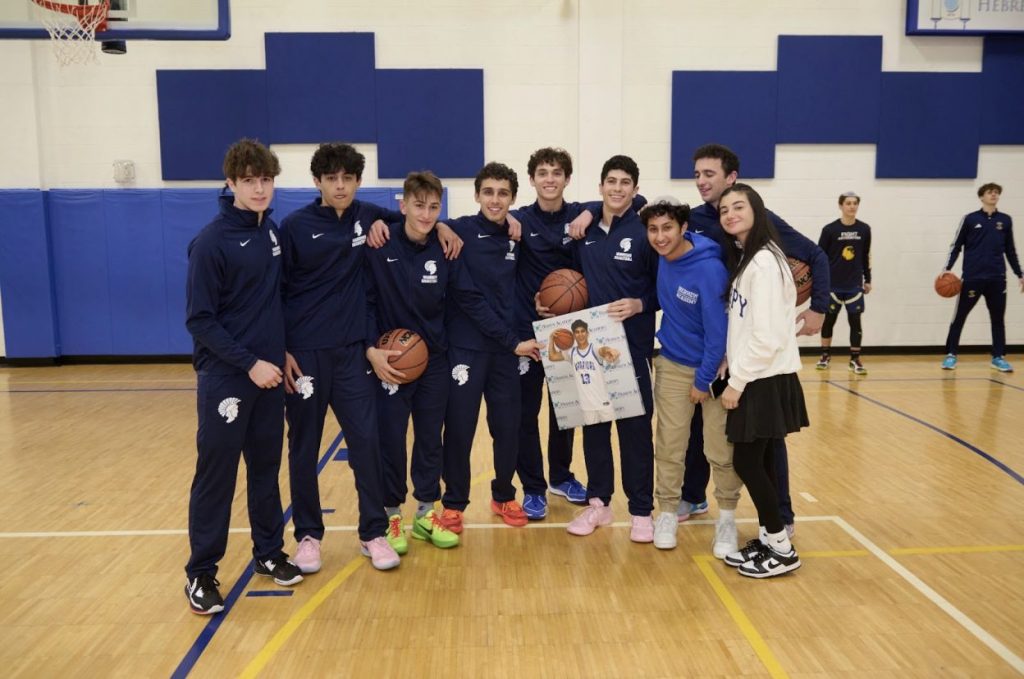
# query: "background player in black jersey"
(847, 243)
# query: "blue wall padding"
(829, 89)
(1002, 87)
(320, 87)
(26, 282)
(80, 267)
(202, 113)
(446, 135)
(110, 280)
(929, 126)
(698, 117)
(136, 272)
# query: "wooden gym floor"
(907, 487)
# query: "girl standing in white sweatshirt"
(763, 398)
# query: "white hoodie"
(762, 321)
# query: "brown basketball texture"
(562, 339)
(563, 291)
(413, 359)
(948, 284)
(802, 278)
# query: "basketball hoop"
(73, 28)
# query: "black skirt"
(769, 409)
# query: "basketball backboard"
(130, 20)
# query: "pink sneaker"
(642, 529)
(307, 555)
(587, 521)
(382, 555)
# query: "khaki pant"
(672, 383)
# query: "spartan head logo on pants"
(228, 408)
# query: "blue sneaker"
(535, 507)
(999, 363)
(572, 490)
(688, 509)
(949, 363)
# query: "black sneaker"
(746, 553)
(281, 569)
(769, 563)
(203, 596)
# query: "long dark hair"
(762, 235)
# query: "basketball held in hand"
(413, 359)
(802, 278)
(948, 284)
(563, 291)
(562, 339)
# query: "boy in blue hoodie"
(691, 286)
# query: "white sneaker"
(665, 527)
(725, 541)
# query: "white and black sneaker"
(281, 569)
(768, 563)
(745, 554)
(203, 596)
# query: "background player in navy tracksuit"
(986, 236)
(410, 284)
(847, 244)
(482, 367)
(545, 247)
(328, 333)
(621, 271)
(716, 168)
(234, 316)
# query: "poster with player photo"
(588, 368)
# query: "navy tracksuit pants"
(531, 460)
(495, 378)
(340, 380)
(994, 292)
(636, 450)
(698, 471)
(426, 400)
(235, 418)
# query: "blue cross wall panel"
(26, 275)
(699, 117)
(829, 89)
(445, 135)
(1002, 87)
(929, 126)
(202, 113)
(320, 87)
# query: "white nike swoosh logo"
(368, 372)
(483, 235)
(589, 242)
(534, 234)
(392, 260)
(977, 226)
(316, 235)
(245, 242)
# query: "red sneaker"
(511, 512)
(452, 520)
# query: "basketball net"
(72, 28)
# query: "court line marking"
(808, 497)
(952, 611)
(966, 549)
(206, 635)
(1005, 384)
(288, 629)
(754, 638)
(974, 449)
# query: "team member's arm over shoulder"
(206, 271)
(959, 240)
(592, 210)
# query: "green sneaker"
(396, 536)
(429, 527)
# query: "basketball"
(413, 359)
(563, 291)
(948, 284)
(802, 278)
(562, 339)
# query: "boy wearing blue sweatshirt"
(691, 284)
(237, 325)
